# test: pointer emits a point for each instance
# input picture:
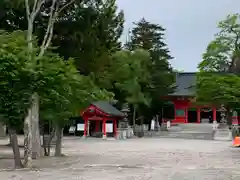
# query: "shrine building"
(100, 117)
(185, 109)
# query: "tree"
(62, 95)
(223, 52)
(92, 33)
(45, 14)
(219, 79)
(57, 82)
(127, 72)
(92, 36)
(16, 85)
(33, 8)
(150, 37)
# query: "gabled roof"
(108, 108)
(185, 84)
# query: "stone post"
(104, 130)
(2, 131)
(88, 128)
(168, 124)
(85, 128)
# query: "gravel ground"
(137, 159)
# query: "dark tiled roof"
(185, 84)
(108, 108)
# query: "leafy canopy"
(128, 70)
(15, 78)
(218, 80)
(150, 37)
(61, 88)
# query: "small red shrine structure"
(184, 106)
(101, 112)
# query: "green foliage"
(150, 37)
(65, 91)
(218, 88)
(87, 33)
(15, 78)
(218, 81)
(94, 29)
(222, 52)
(92, 33)
(127, 72)
(62, 90)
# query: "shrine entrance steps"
(195, 127)
(186, 131)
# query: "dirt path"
(138, 159)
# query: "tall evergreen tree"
(92, 33)
(150, 36)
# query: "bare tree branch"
(37, 8)
(65, 6)
(49, 29)
(27, 9)
(35, 5)
(55, 10)
(52, 27)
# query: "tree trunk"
(44, 145)
(28, 140)
(10, 139)
(47, 143)
(229, 117)
(15, 148)
(58, 148)
(134, 118)
(36, 139)
(142, 126)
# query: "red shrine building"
(101, 117)
(185, 110)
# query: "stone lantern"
(125, 109)
(123, 124)
(223, 111)
(222, 131)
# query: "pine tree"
(150, 36)
(93, 33)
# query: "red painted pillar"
(186, 114)
(104, 128)
(199, 115)
(174, 115)
(85, 127)
(214, 114)
(115, 127)
(96, 126)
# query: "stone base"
(124, 133)
(104, 137)
(224, 135)
(2, 131)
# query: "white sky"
(190, 24)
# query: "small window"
(180, 112)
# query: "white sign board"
(72, 129)
(80, 127)
(152, 124)
(109, 127)
(168, 124)
(215, 125)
